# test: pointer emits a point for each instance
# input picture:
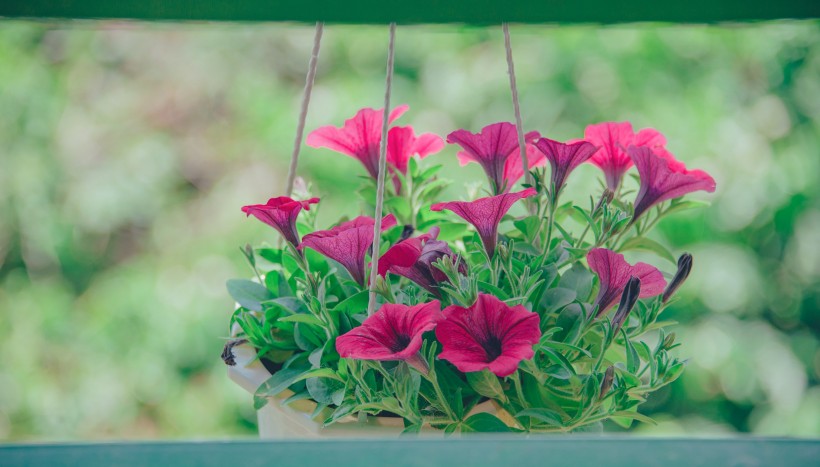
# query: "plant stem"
(433, 379)
(522, 401)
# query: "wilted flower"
(613, 139)
(413, 258)
(394, 332)
(614, 273)
(485, 213)
(489, 334)
(664, 178)
(493, 148)
(280, 213)
(348, 243)
(564, 158)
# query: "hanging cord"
(377, 226)
(300, 128)
(522, 145)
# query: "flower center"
(401, 343)
(492, 348)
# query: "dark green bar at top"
(480, 12)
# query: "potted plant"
(512, 310)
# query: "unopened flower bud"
(606, 198)
(248, 252)
(628, 300)
(669, 341)
(609, 375)
(684, 267)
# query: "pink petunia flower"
(663, 178)
(413, 258)
(614, 272)
(492, 147)
(613, 138)
(402, 144)
(361, 136)
(564, 158)
(280, 213)
(489, 334)
(348, 243)
(485, 213)
(394, 332)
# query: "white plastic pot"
(277, 421)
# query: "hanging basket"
(504, 332)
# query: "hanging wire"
(377, 226)
(300, 128)
(522, 145)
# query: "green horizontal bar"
(419, 11)
(471, 451)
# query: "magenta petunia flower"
(564, 158)
(614, 272)
(361, 136)
(394, 332)
(348, 243)
(413, 258)
(485, 213)
(280, 213)
(613, 138)
(491, 148)
(489, 334)
(663, 178)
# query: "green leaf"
(279, 381)
(302, 318)
(499, 293)
(559, 359)
(486, 383)
(635, 416)
(585, 217)
(275, 282)
(550, 417)
(355, 303)
(646, 244)
(326, 390)
(557, 298)
(271, 254)
(307, 337)
(528, 226)
(248, 294)
(570, 320)
(290, 304)
(301, 395)
(411, 430)
(579, 279)
(484, 423)
(565, 346)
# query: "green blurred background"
(127, 149)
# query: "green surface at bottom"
(473, 451)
